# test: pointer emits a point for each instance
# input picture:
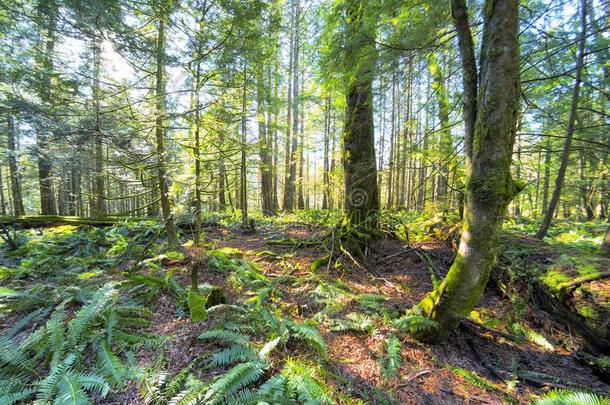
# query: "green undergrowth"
(76, 302)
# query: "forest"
(304, 202)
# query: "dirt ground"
(403, 275)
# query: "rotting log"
(30, 221)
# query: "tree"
(14, 168)
(161, 11)
(490, 186)
(567, 145)
(359, 162)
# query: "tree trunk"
(48, 13)
(361, 189)
(99, 206)
(18, 208)
(605, 248)
(326, 174)
(243, 203)
(292, 109)
(160, 96)
(490, 186)
(567, 145)
(197, 154)
(265, 165)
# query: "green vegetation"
(304, 201)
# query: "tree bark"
(18, 208)
(605, 248)
(292, 109)
(160, 101)
(265, 164)
(99, 206)
(359, 165)
(567, 145)
(243, 203)
(490, 186)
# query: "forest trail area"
(354, 346)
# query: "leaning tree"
(491, 109)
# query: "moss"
(197, 305)
(554, 279)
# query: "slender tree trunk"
(390, 197)
(292, 112)
(301, 147)
(160, 102)
(265, 164)
(197, 153)
(47, 10)
(18, 208)
(567, 145)
(243, 204)
(605, 248)
(99, 208)
(490, 186)
(326, 174)
(3, 204)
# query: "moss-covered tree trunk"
(490, 186)
(361, 189)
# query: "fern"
(392, 364)
(238, 377)
(226, 336)
(354, 321)
(15, 397)
(566, 397)
(88, 313)
(302, 379)
(309, 334)
(48, 385)
(110, 365)
(415, 324)
(231, 355)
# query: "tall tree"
(490, 186)
(162, 10)
(15, 179)
(359, 163)
(567, 144)
(47, 17)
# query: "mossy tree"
(491, 122)
(359, 163)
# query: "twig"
(402, 252)
(413, 376)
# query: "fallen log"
(30, 221)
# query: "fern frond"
(392, 346)
(110, 365)
(225, 336)
(238, 377)
(302, 380)
(566, 397)
(48, 385)
(309, 334)
(354, 321)
(14, 397)
(232, 355)
(82, 319)
(415, 324)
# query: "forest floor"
(508, 351)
